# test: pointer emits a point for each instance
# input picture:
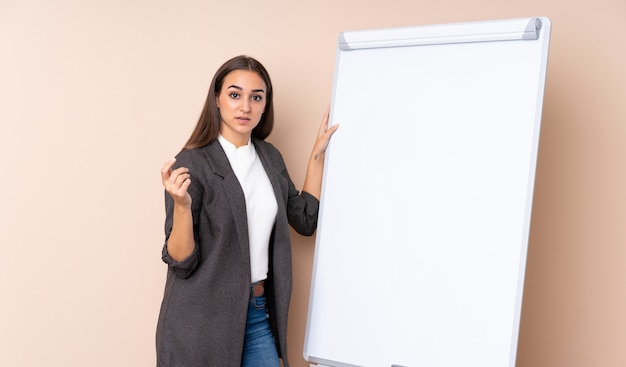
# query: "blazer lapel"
(279, 184)
(234, 194)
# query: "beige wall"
(95, 95)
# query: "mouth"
(243, 119)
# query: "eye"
(233, 95)
(257, 98)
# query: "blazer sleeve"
(185, 267)
(302, 211)
(302, 207)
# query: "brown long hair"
(208, 127)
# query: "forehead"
(245, 79)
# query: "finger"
(185, 186)
(178, 188)
(166, 170)
(329, 131)
(324, 124)
(177, 177)
(181, 178)
(332, 130)
(179, 171)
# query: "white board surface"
(427, 195)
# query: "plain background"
(96, 95)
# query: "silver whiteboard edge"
(329, 363)
(466, 32)
(547, 27)
(329, 149)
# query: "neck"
(237, 141)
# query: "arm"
(180, 244)
(315, 168)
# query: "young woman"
(229, 202)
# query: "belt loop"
(258, 289)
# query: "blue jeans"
(259, 349)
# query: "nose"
(245, 105)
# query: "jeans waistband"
(258, 288)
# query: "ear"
(217, 102)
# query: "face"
(241, 103)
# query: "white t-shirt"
(261, 205)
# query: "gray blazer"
(203, 313)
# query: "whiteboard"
(427, 195)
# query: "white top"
(261, 205)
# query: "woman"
(229, 200)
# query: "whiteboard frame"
(535, 29)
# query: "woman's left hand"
(315, 169)
(323, 135)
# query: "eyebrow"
(254, 90)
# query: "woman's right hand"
(176, 182)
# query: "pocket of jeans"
(259, 302)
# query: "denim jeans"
(259, 349)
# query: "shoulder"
(265, 145)
(195, 156)
(268, 149)
(189, 153)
